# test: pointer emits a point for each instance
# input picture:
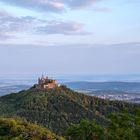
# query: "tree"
(86, 130)
(124, 126)
(11, 129)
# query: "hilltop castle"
(46, 83)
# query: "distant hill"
(15, 129)
(58, 108)
(104, 86)
(7, 89)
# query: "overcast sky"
(69, 37)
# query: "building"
(46, 83)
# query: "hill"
(11, 129)
(58, 108)
(132, 87)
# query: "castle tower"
(42, 77)
(39, 81)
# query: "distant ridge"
(93, 86)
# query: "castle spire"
(42, 76)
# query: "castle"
(46, 83)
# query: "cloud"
(40, 5)
(60, 27)
(78, 4)
(11, 25)
(51, 5)
(125, 45)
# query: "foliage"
(123, 126)
(86, 130)
(11, 129)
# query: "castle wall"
(49, 86)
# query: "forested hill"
(58, 108)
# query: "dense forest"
(57, 109)
(122, 126)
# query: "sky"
(75, 37)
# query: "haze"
(69, 37)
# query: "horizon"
(73, 78)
